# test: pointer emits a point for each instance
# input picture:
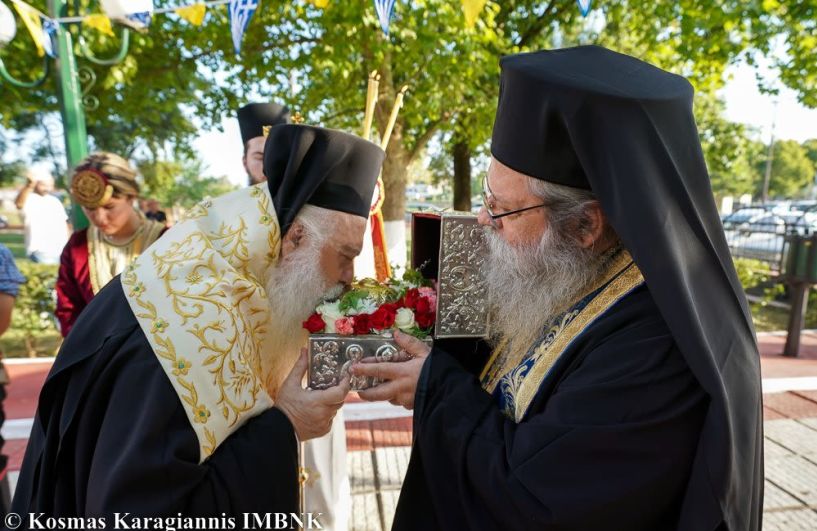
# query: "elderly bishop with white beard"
(623, 392)
(179, 389)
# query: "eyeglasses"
(487, 194)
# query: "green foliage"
(731, 155)
(352, 298)
(811, 151)
(413, 277)
(10, 171)
(180, 182)
(148, 101)
(757, 277)
(176, 72)
(792, 171)
(34, 306)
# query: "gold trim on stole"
(619, 262)
(199, 295)
(610, 295)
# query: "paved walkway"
(379, 439)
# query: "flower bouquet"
(360, 324)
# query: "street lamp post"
(69, 90)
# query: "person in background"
(104, 184)
(253, 118)
(44, 219)
(10, 280)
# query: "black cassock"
(607, 443)
(111, 435)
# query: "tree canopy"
(178, 78)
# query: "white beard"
(295, 288)
(529, 285)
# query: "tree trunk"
(395, 171)
(31, 349)
(462, 177)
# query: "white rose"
(330, 311)
(404, 320)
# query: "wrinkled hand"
(310, 411)
(400, 377)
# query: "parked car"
(757, 234)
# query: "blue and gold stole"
(513, 381)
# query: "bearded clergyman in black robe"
(622, 391)
(171, 395)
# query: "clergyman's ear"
(594, 224)
(293, 238)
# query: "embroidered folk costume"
(639, 408)
(90, 259)
(157, 403)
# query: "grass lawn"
(769, 318)
(14, 241)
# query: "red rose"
(314, 324)
(383, 317)
(425, 319)
(362, 324)
(423, 306)
(411, 297)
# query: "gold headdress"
(90, 188)
(101, 175)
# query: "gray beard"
(529, 285)
(295, 288)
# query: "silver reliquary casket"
(448, 248)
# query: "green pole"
(70, 95)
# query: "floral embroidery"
(181, 366)
(201, 414)
(213, 306)
(137, 289)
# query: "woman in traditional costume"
(104, 184)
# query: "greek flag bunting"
(384, 9)
(49, 30)
(240, 13)
(584, 6)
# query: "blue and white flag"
(384, 9)
(134, 14)
(140, 20)
(49, 30)
(241, 12)
(584, 6)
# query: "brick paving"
(379, 448)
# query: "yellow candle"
(398, 102)
(371, 101)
